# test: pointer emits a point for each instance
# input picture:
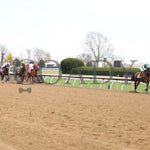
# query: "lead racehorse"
(145, 78)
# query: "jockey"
(22, 63)
(29, 67)
(6, 64)
(142, 69)
(35, 65)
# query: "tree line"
(38, 55)
(96, 47)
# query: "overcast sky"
(60, 26)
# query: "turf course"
(113, 85)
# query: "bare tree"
(85, 58)
(3, 51)
(98, 46)
(40, 54)
(46, 56)
(29, 53)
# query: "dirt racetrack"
(67, 118)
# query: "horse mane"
(5, 69)
(23, 65)
(147, 72)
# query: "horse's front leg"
(39, 80)
(33, 78)
(22, 78)
(7, 78)
(136, 85)
(2, 77)
(147, 84)
(30, 77)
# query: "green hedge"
(69, 63)
(103, 71)
(41, 63)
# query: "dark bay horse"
(21, 73)
(145, 79)
(5, 73)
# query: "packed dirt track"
(68, 118)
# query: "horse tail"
(132, 78)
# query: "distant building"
(50, 65)
(117, 63)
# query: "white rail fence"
(103, 84)
(103, 79)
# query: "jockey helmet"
(23, 62)
(35, 65)
(28, 64)
(146, 66)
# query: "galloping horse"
(21, 72)
(34, 73)
(5, 73)
(145, 79)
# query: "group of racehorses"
(21, 73)
(24, 74)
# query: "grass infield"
(104, 84)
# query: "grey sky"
(60, 26)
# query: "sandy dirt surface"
(67, 118)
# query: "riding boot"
(140, 75)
